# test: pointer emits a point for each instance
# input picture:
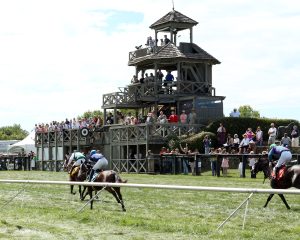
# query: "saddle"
(280, 174)
(74, 171)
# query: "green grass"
(50, 211)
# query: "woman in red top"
(173, 118)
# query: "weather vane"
(173, 4)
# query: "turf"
(51, 212)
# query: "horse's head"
(84, 170)
(261, 165)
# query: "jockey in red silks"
(280, 153)
(100, 165)
(78, 157)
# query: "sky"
(57, 57)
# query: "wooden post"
(56, 149)
(244, 165)
(42, 145)
(78, 136)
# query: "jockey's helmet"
(93, 152)
(272, 145)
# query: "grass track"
(50, 212)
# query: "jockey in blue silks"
(280, 153)
(78, 157)
(101, 163)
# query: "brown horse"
(79, 174)
(290, 178)
(108, 176)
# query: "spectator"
(160, 75)
(134, 79)
(229, 142)
(221, 135)
(244, 144)
(259, 136)
(272, 134)
(128, 119)
(169, 77)
(236, 141)
(185, 162)
(225, 163)
(110, 119)
(173, 118)
(252, 146)
(206, 144)
(250, 134)
(295, 136)
(213, 161)
(183, 117)
(166, 40)
(192, 119)
(285, 141)
(150, 118)
(234, 113)
(251, 164)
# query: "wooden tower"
(126, 146)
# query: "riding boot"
(91, 175)
(276, 171)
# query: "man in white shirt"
(235, 113)
(272, 134)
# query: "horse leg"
(269, 199)
(284, 201)
(118, 196)
(90, 191)
(82, 196)
(72, 188)
(79, 189)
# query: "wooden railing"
(140, 91)
(59, 138)
(144, 132)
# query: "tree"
(248, 111)
(88, 114)
(14, 132)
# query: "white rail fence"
(158, 186)
(170, 187)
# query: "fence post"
(244, 165)
(218, 167)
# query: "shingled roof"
(173, 17)
(184, 51)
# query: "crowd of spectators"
(75, 123)
(152, 117)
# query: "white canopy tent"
(26, 145)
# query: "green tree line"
(14, 132)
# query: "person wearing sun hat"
(244, 144)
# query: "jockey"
(280, 153)
(78, 157)
(100, 165)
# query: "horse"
(79, 174)
(108, 176)
(289, 176)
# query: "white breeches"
(285, 156)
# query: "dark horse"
(108, 176)
(79, 174)
(290, 178)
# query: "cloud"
(59, 57)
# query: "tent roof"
(28, 144)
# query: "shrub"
(240, 125)
(196, 141)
